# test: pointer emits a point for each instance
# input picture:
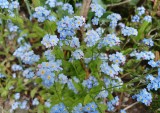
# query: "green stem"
(95, 103)
(28, 7)
(75, 69)
(117, 4)
(59, 97)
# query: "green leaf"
(4, 93)
(127, 51)
(58, 53)
(38, 30)
(33, 92)
(36, 3)
(50, 27)
(141, 31)
(40, 108)
(87, 99)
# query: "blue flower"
(13, 5)
(12, 27)
(92, 38)
(115, 82)
(2, 75)
(47, 104)
(78, 54)
(111, 104)
(100, 31)
(50, 40)
(67, 26)
(114, 18)
(4, 4)
(35, 102)
(90, 107)
(117, 58)
(129, 31)
(75, 42)
(15, 105)
(135, 18)
(141, 10)
(78, 109)
(71, 86)
(68, 7)
(152, 63)
(147, 18)
(51, 3)
(98, 9)
(110, 40)
(122, 111)
(43, 14)
(103, 94)
(59, 108)
(154, 82)
(28, 73)
(95, 21)
(149, 42)
(145, 55)
(17, 96)
(16, 67)
(62, 79)
(49, 55)
(90, 82)
(110, 70)
(26, 55)
(23, 105)
(144, 96)
(48, 79)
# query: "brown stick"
(85, 68)
(84, 13)
(85, 8)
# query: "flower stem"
(28, 7)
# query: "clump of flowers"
(62, 62)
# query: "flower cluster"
(112, 70)
(92, 38)
(144, 96)
(51, 3)
(141, 10)
(90, 82)
(152, 63)
(79, 63)
(89, 108)
(117, 58)
(110, 40)
(135, 18)
(16, 67)
(99, 10)
(154, 82)
(26, 55)
(111, 104)
(114, 18)
(50, 40)
(145, 55)
(43, 14)
(67, 26)
(28, 73)
(129, 31)
(78, 54)
(59, 108)
(149, 42)
(68, 7)
(113, 82)
(2, 75)
(46, 72)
